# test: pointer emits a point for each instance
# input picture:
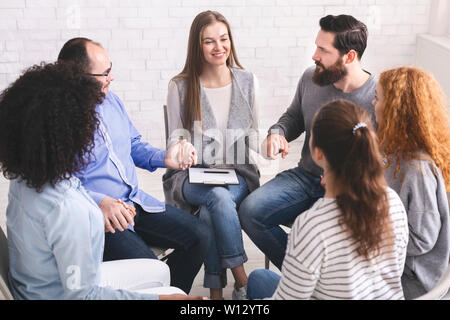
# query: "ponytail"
(344, 133)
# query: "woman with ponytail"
(413, 128)
(352, 243)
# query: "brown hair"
(356, 164)
(194, 64)
(351, 34)
(415, 118)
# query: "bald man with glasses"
(134, 220)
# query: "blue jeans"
(174, 229)
(218, 210)
(262, 283)
(278, 202)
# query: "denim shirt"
(55, 241)
(111, 171)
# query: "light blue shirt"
(118, 151)
(55, 241)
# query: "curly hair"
(47, 124)
(415, 118)
(356, 163)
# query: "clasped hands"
(181, 156)
(118, 214)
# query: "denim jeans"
(262, 283)
(218, 210)
(278, 202)
(174, 229)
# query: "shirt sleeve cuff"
(277, 129)
(157, 160)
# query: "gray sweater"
(421, 188)
(309, 98)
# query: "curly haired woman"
(55, 230)
(413, 128)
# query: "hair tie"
(359, 126)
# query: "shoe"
(239, 294)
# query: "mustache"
(319, 64)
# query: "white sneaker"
(239, 294)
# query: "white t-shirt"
(219, 100)
(321, 260)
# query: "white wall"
(433, 49)
(147, 42)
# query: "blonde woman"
(413, 128)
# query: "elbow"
(420, 245)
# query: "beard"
(329, 75)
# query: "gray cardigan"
(240, 119)
(421, 188)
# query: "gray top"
(309, 98)
(421, 188)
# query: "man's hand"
(181, 156)
(117, 214)
(273, 145)
(180, 297)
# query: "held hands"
(180, 156)
(117, 214)
(273, 145)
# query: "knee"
(257, 275)
(255, 289)
(250, 208)
(220, 197)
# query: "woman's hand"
(180, 156)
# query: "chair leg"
(267, 262)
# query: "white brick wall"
(147, 41)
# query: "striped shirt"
(322, 262)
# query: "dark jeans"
(175, 229)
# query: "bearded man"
(338, 74)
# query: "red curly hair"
(415, 118)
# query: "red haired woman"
(413, 128)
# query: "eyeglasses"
(106, 74)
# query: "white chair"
(5, 293)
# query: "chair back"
(5, 292)
(166, 124)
